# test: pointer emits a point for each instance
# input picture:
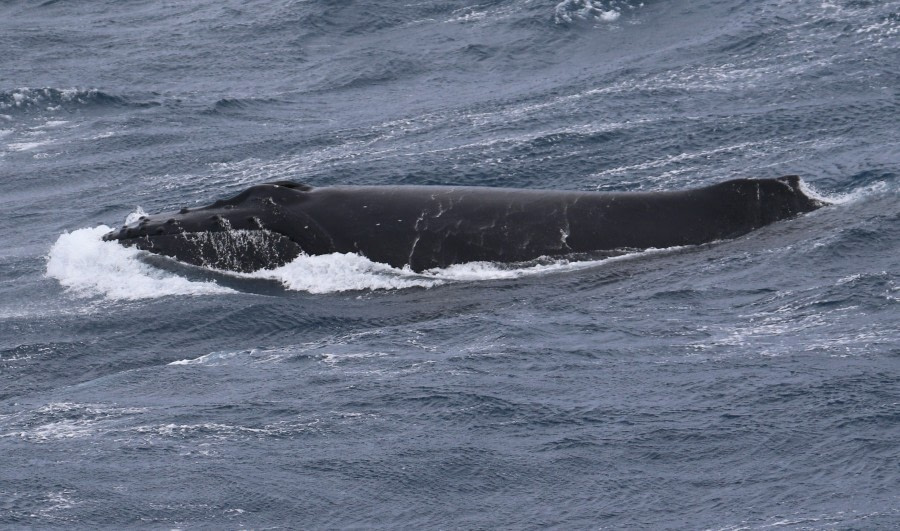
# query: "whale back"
(424, 227)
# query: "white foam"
(569, 10)
(27, 96)
(213, 358)
(88, 266)
(338, 272)
(52, 124)
(609, 16)
(479, 271)
(470, 15)
(876, 188)
(63, 420)
(63, 429)
(209, 429)
(135, 216)
(27, 146)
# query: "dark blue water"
(748, 384)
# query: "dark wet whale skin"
(424, 227)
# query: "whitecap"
(569, 10)
(27, 146)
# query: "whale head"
(245, 233)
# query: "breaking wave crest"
(54, 99)
(569, 11)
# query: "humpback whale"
(423, 227)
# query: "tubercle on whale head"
(239, 234)
(241, 212)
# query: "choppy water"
(750, 384)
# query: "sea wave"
(27, 99)
(52, 98)
(569, 11)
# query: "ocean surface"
(745, 384)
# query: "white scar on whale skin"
(228, 247)
(418, 237)
(563, 236)
(565, 231)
